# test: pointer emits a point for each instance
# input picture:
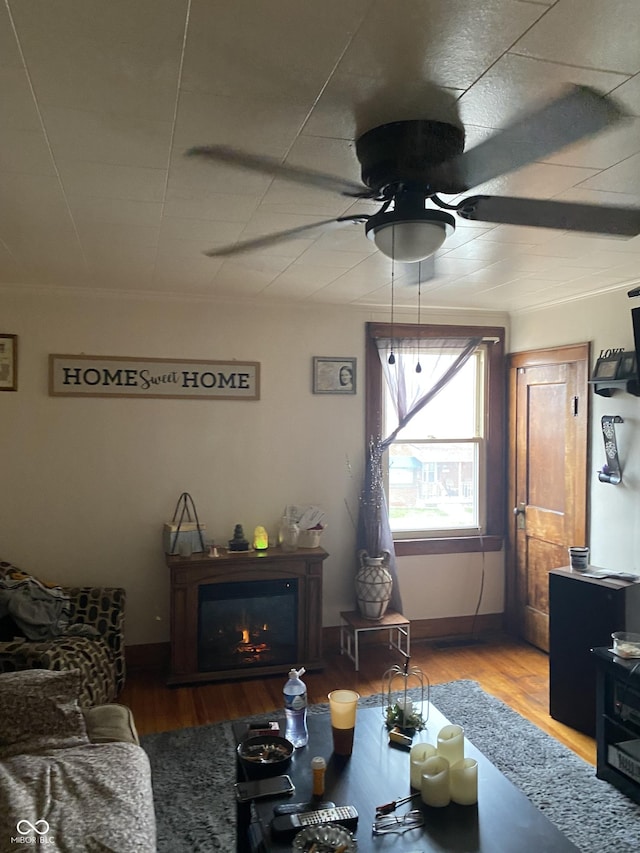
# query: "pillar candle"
(435, 782)
(406, 708)
(417, 757)
(451, 743)
(464, 782)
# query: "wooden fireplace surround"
(189, 573)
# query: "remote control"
(289, 824)
(623, 576)
(296, 808)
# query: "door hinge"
(574, 406)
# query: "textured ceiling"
(101, 99)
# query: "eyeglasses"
(385, 824)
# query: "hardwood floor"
(513, 671)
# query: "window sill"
(448, 545)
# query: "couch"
(73, 779)
(43, 626)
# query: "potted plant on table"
(374, 582)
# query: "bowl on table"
(324, 839)
(265, 755)
(626, 645)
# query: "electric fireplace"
(252, 623)
(245, 613)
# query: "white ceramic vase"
(373, 585)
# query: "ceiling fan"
(406, 164)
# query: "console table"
(189, 574)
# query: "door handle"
(519, 512)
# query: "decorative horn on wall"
(610, 472)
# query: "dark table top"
(503, 821)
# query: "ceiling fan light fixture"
(410, 240)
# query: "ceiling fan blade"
(270, 239)
(543, 213)
(270, 166)
(579, 113)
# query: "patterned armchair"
(99, 656)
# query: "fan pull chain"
(418, 365)
(392, 358)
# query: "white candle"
(451, 743)
(406, 706)
(417, 757)
(435, 782)
(464, 782)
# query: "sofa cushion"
(39, 711)
(110, 723)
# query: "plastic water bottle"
(295, 709)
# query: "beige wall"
(614, 511)
(87, 483)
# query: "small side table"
(353, 625)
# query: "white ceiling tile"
(483, 250)
(204, 231)
(201, 180)
(103, 137)
(122, 56)
(515, 84)
(25, 151)
(9, 51)
(258, 125)
(603, 34)
(353, 103)
(117, 211)
(108, 181)
(210, 206)
(280, 51)
(249, 275)
(629, 95)
(604, 150)
(436, 40)
(19, 111)
(624, 177)
(298, 282)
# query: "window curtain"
(410, 391)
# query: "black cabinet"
(583, 613)
(618, 721)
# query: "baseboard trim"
(157, 655)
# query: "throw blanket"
(94, 797)
(39, 610)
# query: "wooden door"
(548, 449)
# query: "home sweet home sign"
(117, 376)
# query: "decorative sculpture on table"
(238, 543)
(399, 710)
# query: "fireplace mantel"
(189, 573)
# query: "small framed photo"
(607, 367)
(8, 362)
(334, 375)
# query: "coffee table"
(504, 820)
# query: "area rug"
(194, 769)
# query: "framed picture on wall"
(8, 362)
(332, 375)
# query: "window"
(444, 470)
